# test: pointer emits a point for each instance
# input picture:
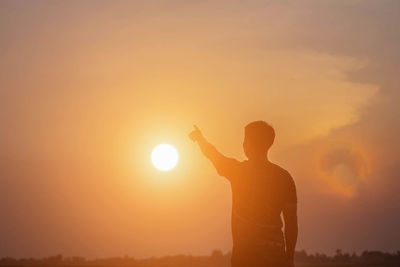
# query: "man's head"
(258, 138)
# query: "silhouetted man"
(261, 191)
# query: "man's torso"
(259, 193)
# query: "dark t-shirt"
(259, 193)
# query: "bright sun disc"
(164, 157)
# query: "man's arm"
(221, 163)
(291, 229)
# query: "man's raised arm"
(222, 164)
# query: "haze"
(87, 89)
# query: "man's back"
(260, 191)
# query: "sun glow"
(164, 157)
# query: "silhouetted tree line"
(215, 259)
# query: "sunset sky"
(89, 88)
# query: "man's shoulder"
(281, 172)
(278, 168)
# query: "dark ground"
(216, 259)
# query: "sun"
(164, 157)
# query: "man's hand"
(196, 134)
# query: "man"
(261, 192)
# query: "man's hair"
(260, 133)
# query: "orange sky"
(88, 89)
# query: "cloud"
(344, 170)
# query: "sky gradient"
(88, 88)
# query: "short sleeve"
(227, 167)
(290, 191)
